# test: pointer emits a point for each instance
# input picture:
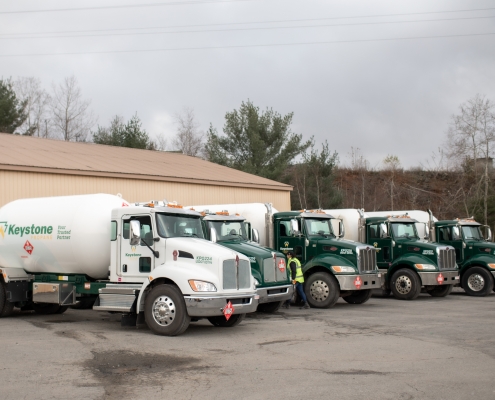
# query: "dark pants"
(300, 292)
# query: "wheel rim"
(403, 284)
(476, 282)
(163, 310)
(319, 290)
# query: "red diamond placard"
(281, 265)
(440, 279)
(28, 247)
(358, 282)
(228, 310)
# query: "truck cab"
(333, 267)
(474, 252)
(273, 284)
(408, 261)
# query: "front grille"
(446, 259)
(367, 259)
(271, 272)
(236, 277)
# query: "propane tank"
(59, 235)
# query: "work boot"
(305, 306)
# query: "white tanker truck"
(148, 261)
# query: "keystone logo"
(12, 229)
(286, 244)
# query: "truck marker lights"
(87, 286)
(28, 247)
(440, 279)
(228, 310)
(175, 254)
(358, 282)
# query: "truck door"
(285, 242)
(381, 244)
(136, 261)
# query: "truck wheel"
(220, 321)
(46, 308)
(322, 290)
(440, 290)
(269, 307)
(405, 284)
(6, 307)
(165, 311)
(358, 296)
(477, 281)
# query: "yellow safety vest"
(299, 273)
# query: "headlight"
(200, 286)
(425, 267)
(492, 266)
(337, 268)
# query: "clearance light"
(424, 267)
(201, 286)
(224, 212)
(338, 268)
(172, 205)
(150, 278)
(492, 266)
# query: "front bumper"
(275, 293)
(368, 281)
(431, 278)
(211, 306)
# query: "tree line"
(456, 182)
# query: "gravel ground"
(430, 348)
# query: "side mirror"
(294, 227)
(341, 229)
(456, 234)
(383, 230)
(488, 234)
(135, 233)
(255, 235)
(426, 231)
(213, 235)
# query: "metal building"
(36, 167)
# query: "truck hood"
(250, 250)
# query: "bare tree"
(189, 139)
(72, 118)
(160, 143)
(392, 165)
(471, 141)
(37, 100)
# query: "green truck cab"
(408, 261)
(474, 253)
(333, 267)
(268, 267)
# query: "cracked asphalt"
(430, 348)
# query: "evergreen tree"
(260, 143)
(120, 134)
(12, 110)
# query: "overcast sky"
(381, 76)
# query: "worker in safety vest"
(297, 279)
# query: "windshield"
(228, 230)
(472, 232)
(404, 231)
(319, 227)
(170, 225)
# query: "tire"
(477, 281)
(440, 290)
(381, 293)
(46, 308)
(322, 290)
(358, 296)
(405, 284)
(6, 307)
(62, 309)
(269, 307)
(165, 311)
(221, 322)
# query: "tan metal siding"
(17, 185)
